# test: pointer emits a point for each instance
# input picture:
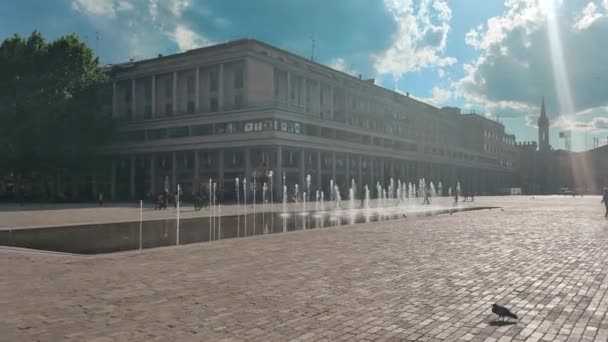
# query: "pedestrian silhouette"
(605, 201)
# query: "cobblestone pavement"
(424, 279)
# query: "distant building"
(582, 171)
(543, 170)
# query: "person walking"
(605, 201)
(456, 198)
(100, 199)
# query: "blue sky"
(492, 57)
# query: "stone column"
(133, 100)
(196, 177)
(197, 95)
(288, 89)
(372, 181)
(132, 179)
(332, 104)
(392, 172)
(153, 96)
(333, 166)
(153, 175)
(360, 173)
(220, 88)
(319, 172)
(114, 100)
(318, 113)
(305, 94)
(175, 107)
(220, 177)
(347, 174)
(247, 157)
(173, 171)
(113, 181)
(318, 100)
(302, 170)
(278, 178)
(382, 175)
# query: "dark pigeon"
(502, 312)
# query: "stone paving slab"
(426, 279)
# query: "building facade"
(544, 170)
(245, 108)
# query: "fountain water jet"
(238, 209)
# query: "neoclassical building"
(244, 108)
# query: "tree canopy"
(54, 99)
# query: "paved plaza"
(422, 279)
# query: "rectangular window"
(220, 128)
(190, 86)
(168, 109)
(147, 91)
(233, 127)
(178, 132)
(128, 94)
(238, 77)
(276, 83)
(238, 101)
(268, 125)
(136, 136)
(236, 159)
(168, 89)
(188, 160)
(207, 159)
(153, 134)
(148, 111)
(202, 130)
(190, 107)
(213, 104)
(248, 127)
(213, 80)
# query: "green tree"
(54, 112)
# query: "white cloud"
(125, 6)
(146, 28)
(341, 65)
(441, 95)
(186, 39)
(95, 7)
(588, 16)
(420, 39)
(515, 66)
